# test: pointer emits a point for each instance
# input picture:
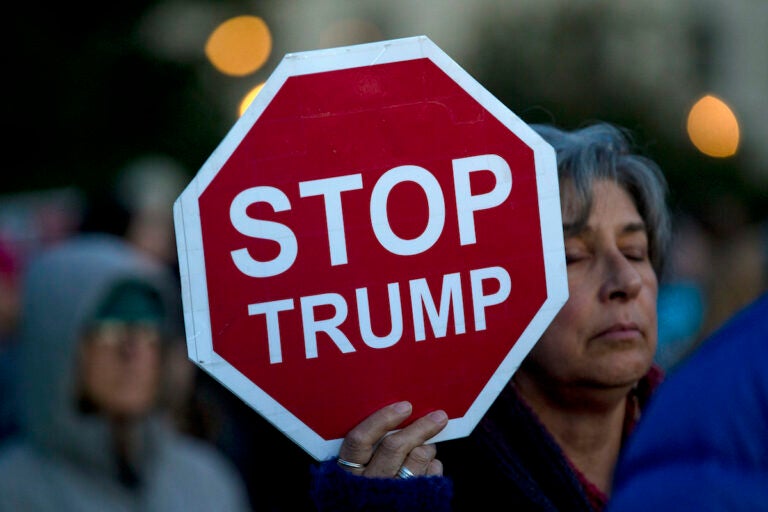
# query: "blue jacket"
(702, 444)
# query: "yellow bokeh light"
(713, 127)
(239, 46)
(248, 99)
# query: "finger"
(360, 442)
(435, 468)
(395, 448)
(419, 458)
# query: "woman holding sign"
(552, 437)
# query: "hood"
(62, 289)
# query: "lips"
(620, 332)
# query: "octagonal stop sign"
(376, 227)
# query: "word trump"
(451, 297)
(331, 190)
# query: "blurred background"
(112, 109)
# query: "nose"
(129, 348)
(137, 340)
(622, 280)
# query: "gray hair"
(604, 151)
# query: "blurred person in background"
(9, 312)
(138, 207)
(702, 443)
(741, 271)
(683, 293)
(96, 316)
(552, 437)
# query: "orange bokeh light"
(713, 127)
(239, 46)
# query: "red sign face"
(370, 233)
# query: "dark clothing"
(703, 442)
(9, 401)
(334, 489)
(509, 460)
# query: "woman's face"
(120, 368)
(605, 335)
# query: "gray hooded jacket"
(65, 461)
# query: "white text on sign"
(451, 297)
(421, 300)
(331, 188)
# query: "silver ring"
(404, 473)
(347, 464)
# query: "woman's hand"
(367, 449)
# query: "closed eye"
(636, 254)
(571, 257)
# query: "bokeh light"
(239, 46)
(249, 97)
(713, 127)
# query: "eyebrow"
(573, 228)
(634, 227)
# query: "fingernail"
(402, 407)
(438, 416)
